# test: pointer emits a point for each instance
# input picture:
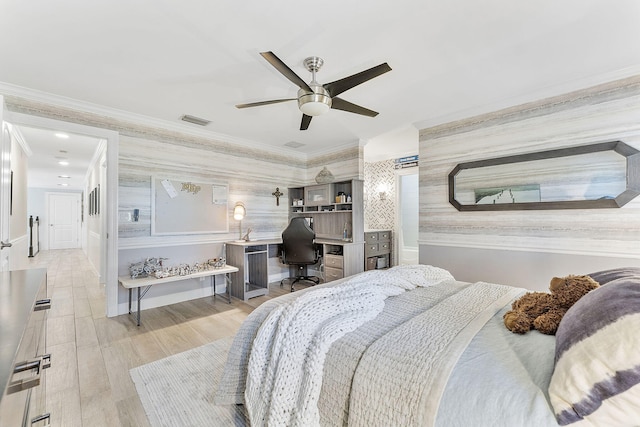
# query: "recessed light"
(64, 176)
(63, 163)
(61, 135)
(63, 185)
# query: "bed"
(413, 346)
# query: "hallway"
(88, 383)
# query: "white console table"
(144, 284)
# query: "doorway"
(64, 223)
(407, 187)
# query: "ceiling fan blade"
(304, 124)
(341, 104)
(339, 86)
(257, 104)
(285, 70)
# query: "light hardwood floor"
(88, 383)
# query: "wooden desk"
(252, 257)
(146, 283)
(341, 258)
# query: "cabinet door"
(315, 195)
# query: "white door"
(5, 190)
(64, 223)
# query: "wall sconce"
(239, 212)
(383, 190)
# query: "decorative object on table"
(153, 267)
(146, 268)
(246, 237)
(278, 194)
(217, 262)
(239, 212)
(324, 176)
(543, 311)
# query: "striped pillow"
(597, 361)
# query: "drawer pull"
(39, 363)
(46, 361)
(42, 304)
(44, 417)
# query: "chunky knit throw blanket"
(390, 370)
(287, 356)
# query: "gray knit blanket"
(388, 368)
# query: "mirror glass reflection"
(603, 175)
(591, 176)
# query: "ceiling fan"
(314, 98)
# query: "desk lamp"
(239, 213)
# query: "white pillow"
(596, 380)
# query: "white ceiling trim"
(537, 95)
(21, 140)
(7, 89)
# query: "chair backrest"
(298, 245)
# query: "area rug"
(179, 390)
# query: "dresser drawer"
(371, 249)
(331, 274)
(371, 237)
(334, 261)
(384, 236)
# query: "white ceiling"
(163, 59)
(44, 170)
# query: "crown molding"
(537, 95)
(15, 131)
(8, 89)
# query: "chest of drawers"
(377, 249)
(23, 357)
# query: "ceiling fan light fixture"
(314, 108)
(315, 103)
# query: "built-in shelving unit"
(335, 212)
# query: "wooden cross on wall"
(277, 193)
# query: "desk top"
(319, 240)
(128, 282)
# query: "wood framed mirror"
(602, 175)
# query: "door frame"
(109, 257)
(5, 183)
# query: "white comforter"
(398, 368)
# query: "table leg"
(129, 300)
(227, 279)
(213, 280)
(139, 298)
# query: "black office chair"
(299, 250)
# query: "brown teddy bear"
(543, 311)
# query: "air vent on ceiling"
(195, 120)
(294, 144)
